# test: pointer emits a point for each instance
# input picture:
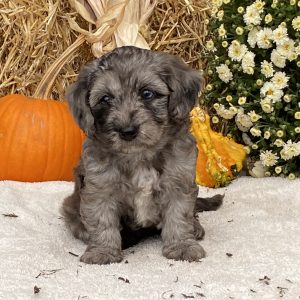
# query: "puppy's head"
(130, 97)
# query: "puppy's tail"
(207, 204)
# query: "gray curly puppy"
(138, 162)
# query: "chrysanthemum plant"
(253, 52)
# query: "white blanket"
(252, 244)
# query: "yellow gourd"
(219, 157)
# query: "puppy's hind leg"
(205, 204)
(71, 212)
(199, 231)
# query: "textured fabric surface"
(252, 244)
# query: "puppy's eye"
(148, 94)
(105, 99)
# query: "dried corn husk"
(113, 23)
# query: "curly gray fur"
(138, 161)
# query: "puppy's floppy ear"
(78, 96)
(184, 84)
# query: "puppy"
(137, 168)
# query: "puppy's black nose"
(128, 133)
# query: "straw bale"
(33, 34)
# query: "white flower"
(210, 45)
(215, 119)
(278, 170)
(266, 105)
(225, 44)
(222, 31)
(277, 59)
(252, 37)
(217, 3)
(292, 56)
(287, 98)
(270, 91)
(290, 150)
(267, 135)
(239, 30)
(280, 80)
(286, 48)
(253, 116)
(224, 73)
(279, 143)
(284, 155)
(242, 100)
(233, 109)
(258, 170)
(240, 9)
(252, 16)
(296, 23)
(248, 62)
(236, 51)
(268, 18)
(220, 15)
(267, 69)
(248, 70)
(292, 176)
(259, 5)
(228, 98)
(264, 38)
(216, 106)
(280, 35)
(259, 82)
(268, 158)
(279, 133)
(225, 113)
(214, 11)
(255, 131)
(243, 121)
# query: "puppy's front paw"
(101, 256)
(188, 250)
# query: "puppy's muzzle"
(128, 133)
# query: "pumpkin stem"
(44, 88)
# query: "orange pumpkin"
(39, 140)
